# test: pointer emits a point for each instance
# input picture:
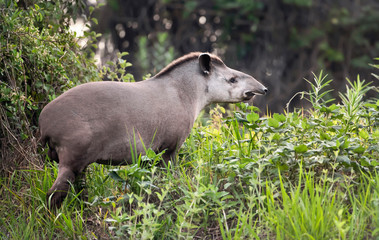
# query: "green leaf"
(344, 160)
(95, 21)
(359, 150)
(301, 148)
(280, 117)
(115, 176)
(305, 124)
(364, 134)
(329, 109)
(150, 153)
(252, 117)
(365, 162)
(239, 117)
(91, 8)
(282, 166)
(370, 105)
(324, 136)
(272, 122)
(276, 137)
(376, 134)
(344, 144)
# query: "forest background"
(279, 42)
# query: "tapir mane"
(187, 58)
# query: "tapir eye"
(232, 80)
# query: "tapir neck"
(188, 90)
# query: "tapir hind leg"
(61, 186)
(67, 173)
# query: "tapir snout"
(261, 90)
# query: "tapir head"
(228, 85)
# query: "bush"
(39, 59)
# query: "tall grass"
(285, 176)
(311, 210)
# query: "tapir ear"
(205, 63)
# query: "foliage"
(117, 71)
(39, 58)
(295, 175)
(155, 55)
(285, 176)
(375, 66)
(245, 176)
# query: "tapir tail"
(43, 141)
(52, 153)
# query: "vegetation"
(297, 175)
(304, 174)
(39, 59)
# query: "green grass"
(299, 175)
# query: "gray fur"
(99, 121)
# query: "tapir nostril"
(262, 91)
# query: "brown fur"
(186, 58)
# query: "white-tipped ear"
(205, 63)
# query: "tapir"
(108, 122)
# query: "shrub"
(39, 59)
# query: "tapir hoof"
(58, 192)
(55, 198)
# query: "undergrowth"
(307, 174)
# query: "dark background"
(279, 42)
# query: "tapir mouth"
(248, 95)
(248, 98)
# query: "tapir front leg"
(170, 154)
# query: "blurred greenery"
(279, 42)
(160, 52)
